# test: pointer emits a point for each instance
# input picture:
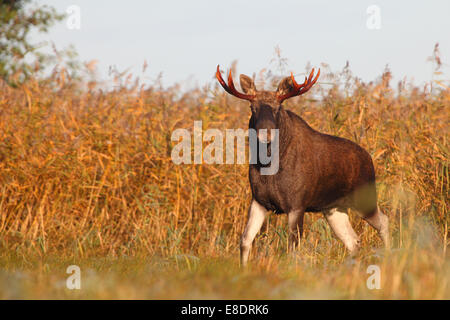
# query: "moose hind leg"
(295, 221)
(340, 224)
(256, 216)
(380, 222)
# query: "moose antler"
(230, 88)
(299, 89)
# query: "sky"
(186, 40)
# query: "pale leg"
(381, 223)
(340, 224)
(256, 216)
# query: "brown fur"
(316, 171)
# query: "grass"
(86, 178)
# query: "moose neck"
(283, 124)
(294, 134)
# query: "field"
(86, 178)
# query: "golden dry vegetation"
(86, 178)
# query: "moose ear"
(285, 86)
(247, 84)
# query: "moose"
(317, 172)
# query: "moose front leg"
(256, 216)
(295, 221)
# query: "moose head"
(266, 105)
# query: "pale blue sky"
(185, 40)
